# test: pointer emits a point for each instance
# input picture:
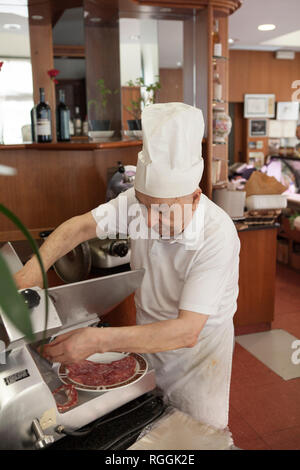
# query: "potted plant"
(148, 95)
(100, 105)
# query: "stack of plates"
(100, 135)
(133, 134)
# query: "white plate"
(140, 371)
(96, 135)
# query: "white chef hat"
(170, 164)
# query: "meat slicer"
(29, 416)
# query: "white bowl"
(127, 133)
(100, 135)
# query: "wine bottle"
(85, 126)
(217, 93)
(62, 119)
(77, 122)
(33, 124)
(43, 120)
(217, 40)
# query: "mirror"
(16, 88)
(105, 60)
(69, 59)
(151, 50)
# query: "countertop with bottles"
(81, 144)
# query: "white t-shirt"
(198, 272)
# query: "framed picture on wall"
(287, 110)
(258, 127)
(259, 106)
(257, 159)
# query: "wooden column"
(197, 81)
(41, 47)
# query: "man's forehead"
(148, 200)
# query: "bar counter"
(75, 145)
(57, 181)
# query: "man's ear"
(196, 196)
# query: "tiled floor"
(264, 408)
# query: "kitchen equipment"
(266, 201)
(29, 417)
(231, 201)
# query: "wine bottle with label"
(62, 119)
(77, 121)
(43, 120)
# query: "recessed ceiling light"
(95, 19)
(37, 17)
(266, 27)
(231, 41)
(179, 64)
(12, 27)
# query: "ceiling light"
(37, 17)
(12, 27)
(266, 27)
(231, 41)
(179, 64)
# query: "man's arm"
(66, 237)
(166, 335)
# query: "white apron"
(197, 380)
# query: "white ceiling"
(285, 14)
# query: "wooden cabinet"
(255, 310)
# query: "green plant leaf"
(12, 303)
(11, 216)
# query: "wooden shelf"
(217, 57)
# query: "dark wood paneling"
(171, 81)
(257, 277)
(74, 96)
(223, 7)
(128, 94)
(52, 186)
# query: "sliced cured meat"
(65, 397)
(102, 374)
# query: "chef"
(187, 299)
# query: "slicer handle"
(42, 440)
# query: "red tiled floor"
(264, 408)
(287, 439)
(269, 407)
(241, 431)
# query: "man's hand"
(29, 276)
(73, 346)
